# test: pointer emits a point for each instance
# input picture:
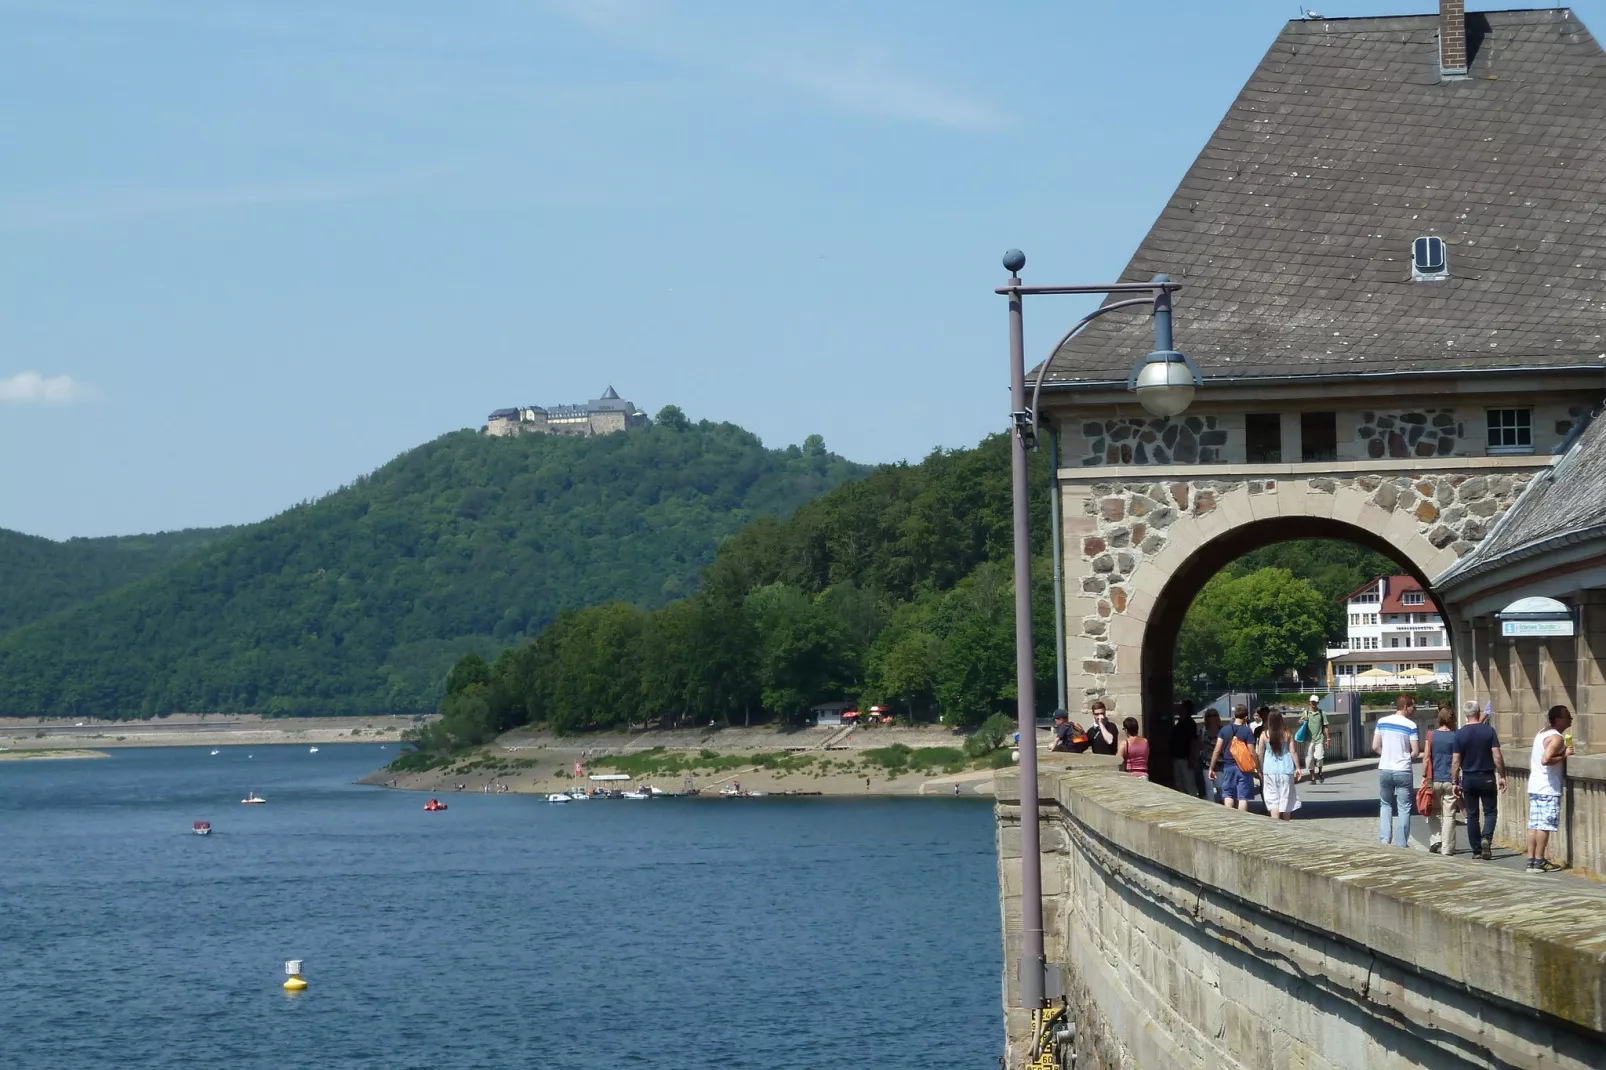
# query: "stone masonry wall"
(1126, 524)
(1154, 440)
(1191, 935)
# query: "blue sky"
(254, 248)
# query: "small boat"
(253, 799)
(636, 795)
(433, 805)
(579, 796)
(312, 750)
(560, 796)
(203, 828)
(216, 753)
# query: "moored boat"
(253, 799)
(203, 828)
(559, 796)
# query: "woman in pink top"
(1134, 749)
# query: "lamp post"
(1164, 382)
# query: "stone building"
(1391, 253)
(600, 416)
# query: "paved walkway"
(1345, 804)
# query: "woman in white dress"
(1279, 768)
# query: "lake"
(505, 932)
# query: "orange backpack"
(1243, 754)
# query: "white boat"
(216, 753)
(253, 799)
(559, 796)
(636, 795)
(203, 828)
(579, 796)
(312, 750)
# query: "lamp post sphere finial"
(1014, 260)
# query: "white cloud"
(844, 75)
(31, 388)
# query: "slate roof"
(1293, 228)
(1568, 498)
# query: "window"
(1363, 668)
(1394, 641)
(1263, 438)
(1511, 430)
(1411, 598)
(1424, 640)
(1354, 619)
(1318, 436)
(1429, 667)
(1374, 619)
(1428, 263)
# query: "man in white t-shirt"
(1551, 749)
(1394, 741)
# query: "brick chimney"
(1452, 38)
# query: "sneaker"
(1436, 846)
(1547, 866)
(1486, 854)
(1533, 866)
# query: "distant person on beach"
(1235, 746)
(1480, 770)
(1103, 736)
(1438, 768)
(1134, 749)
(1394, 741)
(1551, 748)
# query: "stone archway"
(1138, 550)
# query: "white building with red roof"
(1395, 637)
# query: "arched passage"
(1170, 606)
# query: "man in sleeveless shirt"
(1544, 787)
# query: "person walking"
(1394, 742)
(1103, 739)
(1480, 770)
(1207, 762)
(1545, 767)
(1134, 749)
(1236, 782)
(1279, 769)
(1438, 768)
(1320, 735)
(1185, 751)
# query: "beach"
(195, 730)
(807, 761)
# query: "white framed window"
(1427, 666)
(1394, 640)
(1363, 668)
(1411, 598)
(1511, 430)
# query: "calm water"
(506, 932)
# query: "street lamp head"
(1165, 382)
(1014, 260)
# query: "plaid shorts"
(1544, 812)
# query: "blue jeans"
(1394, 791)
(1481, 795)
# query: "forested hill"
(361, 601)
(41, 576)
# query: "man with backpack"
(1236, 781)
(1317, 735)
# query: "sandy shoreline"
(195, 731)
(47, 754)
(828, 762)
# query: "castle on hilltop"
(600, 416)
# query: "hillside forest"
(360, 602)
(895, 590)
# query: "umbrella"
(1374, 674)
(1420, 674)
(1329, 676)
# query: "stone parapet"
(1190, 935)
(1580, 841)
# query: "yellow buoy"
(294, 982)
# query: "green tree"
(1252, 628)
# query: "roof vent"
(1428, 263)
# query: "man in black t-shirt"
(1480, 769)
(1103, 736)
